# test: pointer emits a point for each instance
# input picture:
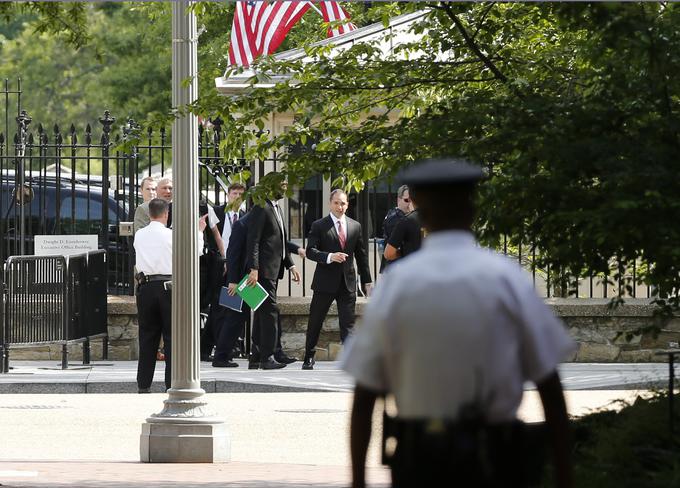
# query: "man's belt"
(144, 278)
(158, 277)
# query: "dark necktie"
(341, 235)
(234, 218)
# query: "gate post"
(129, 130)
(107, 121)
(185, 430)
(22, 122)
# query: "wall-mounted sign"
(65, 245)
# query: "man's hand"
(202, 223)
(252, 278)
(302, 252)
(368, 289)
(231, 289)
(338, 257)
(295, 273)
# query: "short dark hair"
(158, 207)
(236, 186)
(336, 191)
(443, 207)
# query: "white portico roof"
(397, 32)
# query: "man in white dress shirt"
(453, 332)
(153, 248)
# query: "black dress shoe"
(308, 363)
(282, 358)
(254, 361)
(143, 390)
(271, 363)
(224, 364)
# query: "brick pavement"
(234, 474)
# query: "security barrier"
(54, 300)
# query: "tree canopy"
(572, 107)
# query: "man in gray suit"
(164, 191)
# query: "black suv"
(54, 206)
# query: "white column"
(185, 430)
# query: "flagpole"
(186, 430)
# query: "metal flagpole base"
(185, 431)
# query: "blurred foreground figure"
(452, 332)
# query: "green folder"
(254, 296)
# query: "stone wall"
(603, 334)
(628, 333)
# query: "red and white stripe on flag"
(332, 12)
(242, 49)
(260, 28)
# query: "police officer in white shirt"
(452, 333)
(153, 248)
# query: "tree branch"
(400, 85)
(473, 45)
(481, 21)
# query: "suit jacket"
(322, 240)
(142, 217)
(265, 251)
(236, 252)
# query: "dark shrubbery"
(631, 448)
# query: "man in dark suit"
(233, 322)
(267, 255)
(217, 241)
(334, 242)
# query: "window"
(86, 216)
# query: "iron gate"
(70, 181)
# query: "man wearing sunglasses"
(406, 237)
(394, 216)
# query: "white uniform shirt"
(153, 249)
(440, 333)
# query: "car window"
(86, 219)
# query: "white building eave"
(240, 82)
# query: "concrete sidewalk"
(119, 377)
(277, 439)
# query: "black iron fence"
(76, 180)
(53, 300)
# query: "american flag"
(332, 11)
(260, 28)
(242, 49)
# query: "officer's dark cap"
(440, 172)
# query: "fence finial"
(24, 120)
(107, 121)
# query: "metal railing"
(54, 300)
